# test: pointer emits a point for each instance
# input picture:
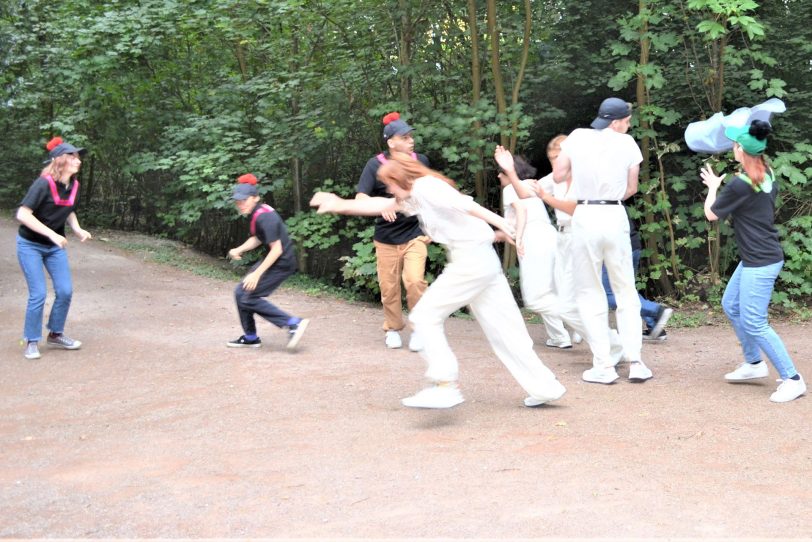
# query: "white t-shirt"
(443, 214)
(559, 191)
(600, 161)
(536, 211)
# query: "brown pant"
(405, 262)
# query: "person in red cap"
(48, 205)
(268, 230)
(400, 244)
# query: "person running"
(473, 276)
(604, 162)
(269, 231)
(400, 244)
(535, 245)
(48, 205)
(749, 200)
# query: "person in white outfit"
(604, 162)
(561, 257)
(473, 276)
(536, 246)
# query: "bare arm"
(521, 222)
(252, 279)
(567, 206)
(493, 219)
(505, 161)
(26, 217)
(250, 244)
(327, 202)
(73, 222)
(632, 181)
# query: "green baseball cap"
(749, 143)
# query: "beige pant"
(406, 262)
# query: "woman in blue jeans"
(749, 200)
(46, 207)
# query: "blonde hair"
(555, 143)
(56, 167)
(402, 170)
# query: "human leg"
(253, 302)
(537, 280)
(30, 256)
(415, 253)
(389, 267)
(505, 329)
(756, 288)
(56, 263)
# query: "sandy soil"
(155, 429)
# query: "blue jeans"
(34, 259)
(648, 309)
(745, 303)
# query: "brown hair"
(56, 167)
(402, 170)
(754, 166)
(555, 143)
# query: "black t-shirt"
(404, 228)
(40, 200)
(752, 214)
(270, 228)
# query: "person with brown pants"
(400, 244)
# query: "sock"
(250, 337)
(754, 362)
(294, 321)
(796, 377)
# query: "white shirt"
(536, 211)
(600, 162)
(559, 191)
(443, 214)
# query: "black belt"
(599, 202)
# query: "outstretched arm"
(327, 202)
(712, 181)
(505, 161)
(494, 220)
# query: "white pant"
(600, 236)
(568, 304)
(537, 278)
(474, 277)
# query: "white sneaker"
(638, 372)
(393, 339)
(415, 342)
(437, 396)
(576, 338)
(558, 344)
(748, 371)
(32, 350)
(789, 390)
(554, 391)
(600, 376)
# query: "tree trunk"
(480, 188)
(405, 52)
(528, 24)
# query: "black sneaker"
(647, 336)
(242, 342)
(295, 333)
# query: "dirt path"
(155, 429)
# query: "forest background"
(175, 99)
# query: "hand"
(326, 202)
(536, 187)
(58, 240)
(250, 281)
(500, 236)
(503, 158)
(235, 254)
(520, 248)
(83, 235)
(709, 178)
(389, 216)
